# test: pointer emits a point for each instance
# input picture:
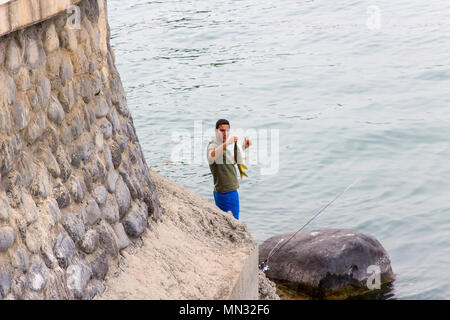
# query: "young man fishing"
(221, 163)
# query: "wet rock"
(55, 111)
(99, 266)
(327, 262)
(110, 211)
(64, 249)
(91, 214)
(123, 197)
(37, 274)
(6, 274)
(135, 223)
(90, 241)
(108, 239)
(100, 195)
(74, 226)
(122, 237)
(7, 237)
(62, 196)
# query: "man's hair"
(221, 121)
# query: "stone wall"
(17, 14)
(75, 188)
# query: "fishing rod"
(264, 265)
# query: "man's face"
(224, 130)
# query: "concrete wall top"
(18, 14)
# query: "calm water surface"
(351, 97)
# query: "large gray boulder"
(328, 263)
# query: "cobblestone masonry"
(75, 187)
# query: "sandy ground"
(194, 252)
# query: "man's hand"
(247, 143)
(220, 148)
(231, 140)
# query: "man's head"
(223, 129)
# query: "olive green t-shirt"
(223, 172)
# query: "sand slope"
(194, 252)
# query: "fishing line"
(264, 265)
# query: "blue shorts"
(228, 201)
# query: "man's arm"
(218, 152)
